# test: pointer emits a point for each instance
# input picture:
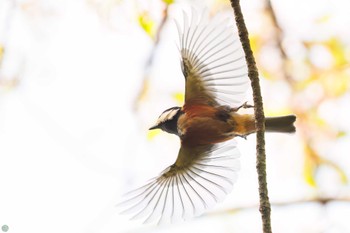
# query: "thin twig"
(149, 62)
(253, 74)
(279, 34)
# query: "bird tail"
(283, 124)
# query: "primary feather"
(213, 61)
(188, 187)
(216, 74)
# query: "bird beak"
(154, 127)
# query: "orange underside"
(201, 125)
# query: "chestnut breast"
(203, 125)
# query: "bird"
(216, 80)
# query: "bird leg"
(244, 136)
(245, 105)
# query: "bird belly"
(204, 130)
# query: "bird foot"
(237, 135)
(245, 105)
(242, 136)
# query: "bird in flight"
(215, 70)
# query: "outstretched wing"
(213, 61)
(200, 177)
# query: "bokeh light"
(82, 81)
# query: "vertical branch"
(149, 62)
(279, 38)
(253, 74)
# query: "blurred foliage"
(168, 2)
(153, 29)
(147, 23)
(318, 74)
(321, 73)
(313, 162)
(2, 49)
(104, 8)
(151, 134)
(179, 97)
(333, 78)
(325, 76)
(143, 93)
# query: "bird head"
(167, 121)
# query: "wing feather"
(211, 56)
(200, 177)
(213, 64)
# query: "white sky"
(70, 144)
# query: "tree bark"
(253, 74)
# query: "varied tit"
(215, 71)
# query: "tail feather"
(283, 124)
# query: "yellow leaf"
(266, 74)
(168, 2)
(255, 42)
(179, 97)
(311, 79)
(312, 161)
(341, 173)
(309, 173)
(1, 52)
(337, 49)
(320, 122)
(323, 19)
(146, 23)
(336, 83)
(151, 134)
(341, 134)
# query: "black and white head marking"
(167, 121)
(168, 114)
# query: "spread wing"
(213, 61)
(200, 177)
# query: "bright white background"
(71, 142)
